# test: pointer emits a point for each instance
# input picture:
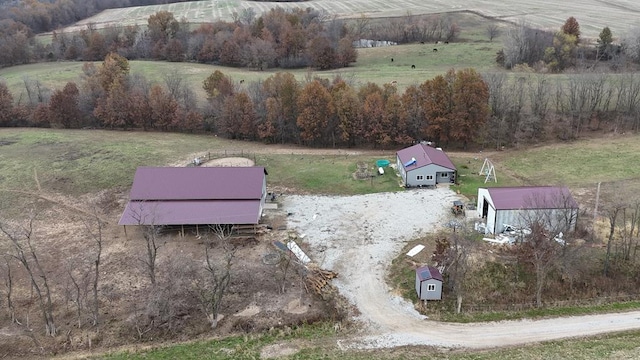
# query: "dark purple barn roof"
(532, 197)
(197, 183)
(195, 195)
(428, 272)
(424, 155)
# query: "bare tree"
(173, 82)
(78, 292)
(549, 227)
(8, 285)
(361, 27)
(36, 92)
(613, 211)
(493, 31)
(631, 44)
(25, 252)
(95, 232)
(212, 286)
(452, 257)
(151, 234)
(515, 46)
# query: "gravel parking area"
(358, 236)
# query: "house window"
(431, 287)
(429, 177)
(420, 177)
(445, 175)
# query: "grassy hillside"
(77, 162)
(374, 64)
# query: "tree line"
(549, 51)
(315, 112)
(278, 38)
(36, 16)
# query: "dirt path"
(358, 236)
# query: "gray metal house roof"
(195, 195)
(428, 272)
(532, 197)
(424, 155)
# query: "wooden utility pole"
(595, 208)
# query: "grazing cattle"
(413, 66)
(446, 42)
(435, 50)
(422, 42)
(391, 59)
(241, 81)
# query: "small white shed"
(428, 283)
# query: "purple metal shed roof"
(424, 155)
(428, 272)
(532, 197)
(197, 183)
(188, 212)
(195, 195)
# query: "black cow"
(413, 66)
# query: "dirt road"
(358, 236)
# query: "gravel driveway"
(358, 236)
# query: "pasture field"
(373, 65)
(593, 15)
(578, 163)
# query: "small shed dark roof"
(532, 197)
(428, 272)
(197, 183)
(424, 155)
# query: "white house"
(519, 206)
(421, 165)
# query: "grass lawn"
(469, 179)
(579, 163)
(77, 162)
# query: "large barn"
(518, 206)
(422, 165)
(196, 196)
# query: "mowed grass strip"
(318, 342)
(579, 163)
(327, 174)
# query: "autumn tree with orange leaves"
(238, 117)
(438, 106)
(63, 107)
(316, 108)
(471, 106)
